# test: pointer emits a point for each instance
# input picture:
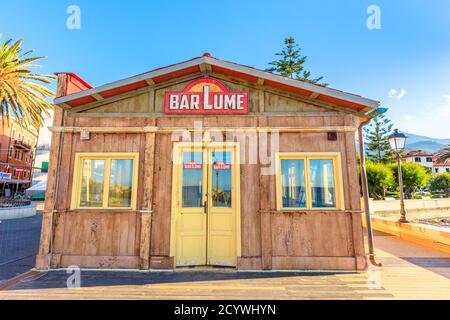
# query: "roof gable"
(214, 65)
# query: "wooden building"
(204, 162)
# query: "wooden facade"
(133, 121)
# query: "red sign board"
(221, 166)
(19, 169)
(206, 96)
(192, 166)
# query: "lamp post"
(397, 141)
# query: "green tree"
(377, 134)
(379, 178)
(414, 176)
(291, 63)
(441, 182)
(22, 92)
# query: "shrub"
(441, 183)
(379, 177)
(414, 176)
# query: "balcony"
(21, 145)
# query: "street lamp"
(397, 141)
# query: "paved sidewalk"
(409, 272)
(19, 242)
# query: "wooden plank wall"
(97, 238)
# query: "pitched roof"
(418, 153)
(195, 65)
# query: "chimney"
(69, 83)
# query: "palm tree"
(22, 92)
(444, 154)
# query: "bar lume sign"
(206, 96)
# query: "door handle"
(205, 207)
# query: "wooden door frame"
(178, 147)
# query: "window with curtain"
(105, 181)
(308, 181)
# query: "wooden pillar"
(146, 212)
(355, 203)
(266, 240)
(44, 254)
(266, 213)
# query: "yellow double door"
(205, 204)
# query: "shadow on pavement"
(58, 279)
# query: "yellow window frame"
(108, 157)
(335, 157)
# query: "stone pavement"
(409, 272)
(19, 243)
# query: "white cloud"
(401, 94)
(393, 93)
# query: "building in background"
(421, 157)
(39, 179)
(428, 160)
(439, 167)
(17, 152)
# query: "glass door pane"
(221, 179)
(192, 188)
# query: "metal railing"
(14, 203)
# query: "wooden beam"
(261, 100)
(151, 101)
(260, 81)
(97, 97)
(314, 95)
(150, 82)
(205, 68)
(148, 129)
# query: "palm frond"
(23, 94)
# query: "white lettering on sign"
(206, 96)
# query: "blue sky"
(405, 64)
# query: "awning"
(38, 188)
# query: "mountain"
(416, 142)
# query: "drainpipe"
(365, 190)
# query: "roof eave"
(371, 104)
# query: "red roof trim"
(176, 74)
(285, 87)
(123, 89)
(233, 73)
(81, 101)
(340, 102)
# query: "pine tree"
(377, 135)
(291, 63)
